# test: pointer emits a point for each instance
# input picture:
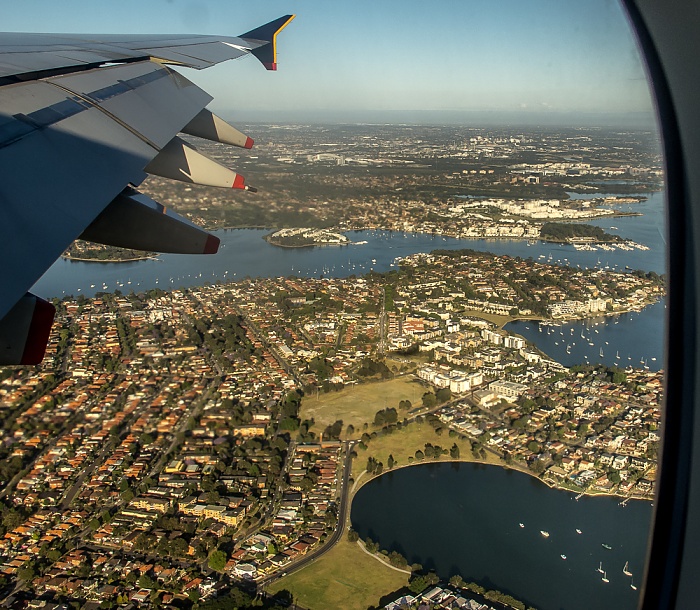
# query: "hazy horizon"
(491, 62)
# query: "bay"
(463, 518)
(244, 252)
(633, 339)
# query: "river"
(462, 518)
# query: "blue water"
(459, 518)
(631, 339)
(243, 252)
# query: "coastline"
(115, 260)
(358, 484)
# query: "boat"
(625, 570)
(632, 585)
(578, 531)
(521, 524)
(562, 556)
(545, 534)
(600, 567)
(605, 577)
(606, 546)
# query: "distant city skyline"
(482, 62)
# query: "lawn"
(403, 444)
(357, 405)
(345, 577)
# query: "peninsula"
(305, 237)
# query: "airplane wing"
(83, 121)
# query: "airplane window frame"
(670, 532)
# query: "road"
(339, 529)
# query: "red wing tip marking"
(249, 143)
(270, 65)
(39, 331)
(239, 182)
(212, 245)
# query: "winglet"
(267, 53)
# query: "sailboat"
(625, 570)
(605, 577)
(601, 352)
(600, 567)
(632, 585)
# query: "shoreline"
(115, 260)
(357, 485)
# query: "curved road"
(340, 527)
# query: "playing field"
(402, 445)
(357, 405)
(345, 577)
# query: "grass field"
(345, 577)
(403, 444)
(357, 405)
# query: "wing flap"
(210, 127)
(133, 220)
(151, 100)
(180, 161)
(68, 146)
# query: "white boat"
(632, 585)
(562, 556)
(625, 570)
(600, 568)
(521, 524)
(578, 531)
(605, 577)
(545, 534)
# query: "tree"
(353, 536)
(390, 461)
(443, 395)
(457, 581)
(454, 451)
(146, 582)
(429, 400)
(217, 560)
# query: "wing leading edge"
(77, 137)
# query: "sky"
(432, 61)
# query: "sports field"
(357, 405)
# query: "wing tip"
(267, 53)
